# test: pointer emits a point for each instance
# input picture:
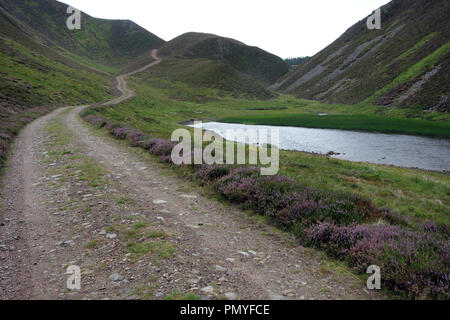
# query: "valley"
(136, 230)
(88, 179)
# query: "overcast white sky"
(287, 28)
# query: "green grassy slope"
(205, 73)
(406, 63)
(253, 61)
(221, 63)
(33, 79)
(106, 42)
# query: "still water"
(391, 149)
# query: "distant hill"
(44, 65)
(406, 63)
(209, 60)
(255, 62)
(109, 42)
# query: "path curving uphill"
(122, 83)
(73, 196)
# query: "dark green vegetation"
(252, 61)
(204, 73)
(207, 60)
(296, 61)
(406, 63)
(111, 43)
(348, 122)
(30, 77)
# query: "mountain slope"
(255, 62)
(406, 63)
(210, 61)
(206, 73)
(108, 42)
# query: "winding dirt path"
(139, 233)
(122, 83)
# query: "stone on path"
(230, 296)
(244, 254)
(207, 290)
(275, 296)
(115, 277)
(188, 196)
(220, 268)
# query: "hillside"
(207, 60)
(108, 42)
(44, 65)
(255, 62)
(406, 63)
(204, 73)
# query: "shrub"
(288, 202)
(95, 120)
(110, 126)
(132, 135)
(235, 185)
(120, 133)
(208, 173)
(415, 263)
(163, 148)
(159, 147)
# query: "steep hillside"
(44, 65)
(255, 62)
(206, 73)
(406, 63)
(227, 65)
(107, 42)
(34, 74)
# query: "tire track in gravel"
(22, 236)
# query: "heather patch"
(208, 173)
(95, 120)
(286, 201)
(159, 147)
(415, 263)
